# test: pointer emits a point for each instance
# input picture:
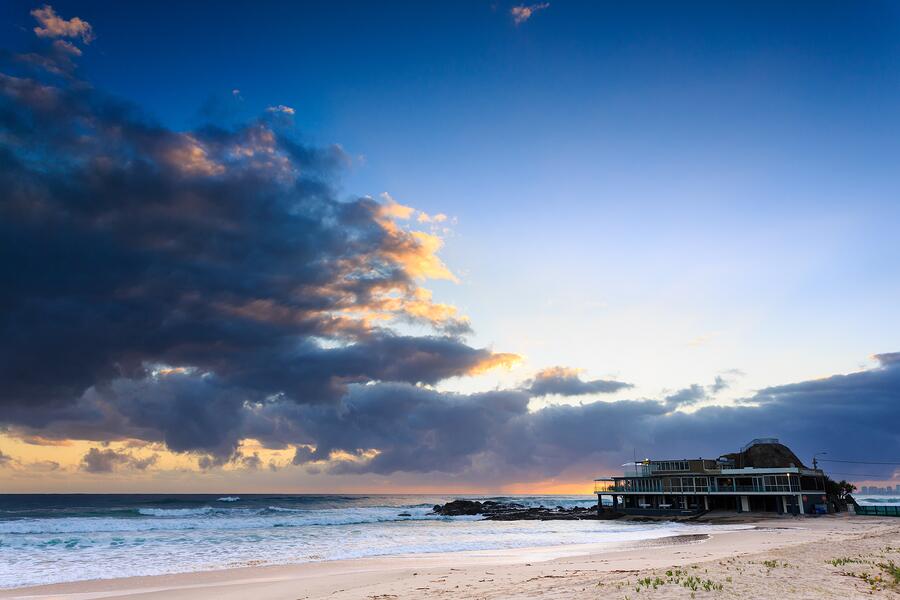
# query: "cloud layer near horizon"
(201, 288)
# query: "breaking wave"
(56, 539)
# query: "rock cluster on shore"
(511, 511)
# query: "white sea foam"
(876, 500)
(154, 540)
(176, 512)
(228, 499)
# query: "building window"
(671, 465)
(777, 483)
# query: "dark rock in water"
(404, 515)
(462, 507)
(511, 511)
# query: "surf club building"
(765, 476)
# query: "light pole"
(815, 463)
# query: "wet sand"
(779, 558)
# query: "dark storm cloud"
(101, 461)
(561, 381)
(131, 255)
(187, 413)
(890, 358)
(686, 397)
(494, 437)
(415, 428)
(252, 461)
(107, 461)
(303, 455)
(719, 384)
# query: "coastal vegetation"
(869, 569)
(839, 493)
(880, 574)
(679, 577)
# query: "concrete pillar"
(705, 502)
(745, 503)
(800, 504)
(784, 504)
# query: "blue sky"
(654, 192)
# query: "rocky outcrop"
(461, 507)
(510, 511)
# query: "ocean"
(878, 499)
(61, 538)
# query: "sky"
(483, 246)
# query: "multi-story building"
(764, 476)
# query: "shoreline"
(277, 572)
(509, 572)
(99, 588)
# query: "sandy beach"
(787, 557)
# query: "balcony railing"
(756, 488)
(607, 487)
(656, 486)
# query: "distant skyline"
(483, 246)
(880, 490)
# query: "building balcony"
(607, 486)
(611, 488)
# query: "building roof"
(765, 455)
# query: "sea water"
(878, 499)
(59, 538)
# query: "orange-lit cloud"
(67, 47)
(52, 25)
(417, 252)
(165, 371)
(391, 209)
(500, 360)
(393, 303)
(557, 372)
(36, 440)
(426, 218)
(190, 157)
(566, 381)
(522, 13)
